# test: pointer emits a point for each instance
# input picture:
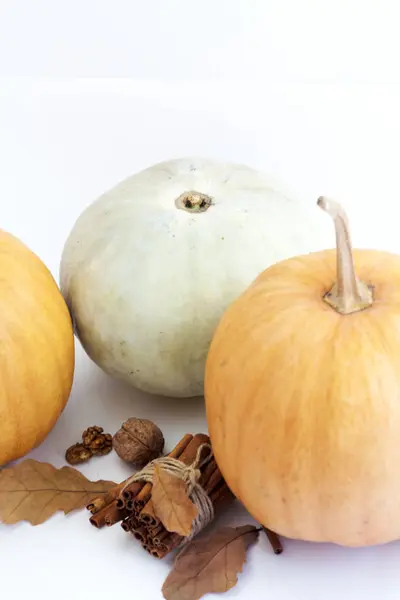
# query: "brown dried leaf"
(209, 563)
(171, 503)
(33, 491)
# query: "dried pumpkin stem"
(349, 294)
(193, 202)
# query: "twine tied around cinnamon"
(190, 474)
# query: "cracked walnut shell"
(139, 441)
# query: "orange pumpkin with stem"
(302, 392)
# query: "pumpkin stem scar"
(193, 202)
(349, 294)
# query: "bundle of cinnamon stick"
(131, 503)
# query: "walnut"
(103, 450)
(77, 454)
(94, 443)
(98, 442)
(138, 441)
(90, 434)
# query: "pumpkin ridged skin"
(147, 282)
(303, 404)
(37, 350)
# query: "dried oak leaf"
(33, 491)
(209, 564)
(171, 504)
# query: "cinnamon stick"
(170, 542)
(140, 534)
(207, 471)
(115, 514)
(274, 541)
(161, 536)
(99, 503)
(221, 497)
(96, 505)
(129, 492)
(126, 526)
(99, 519)
(105, 506)
(214, 480)
(147, 515)
(153, 531)
(131, 522)
(108, 515)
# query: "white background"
(304, 90)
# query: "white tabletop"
(62, 143)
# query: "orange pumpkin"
(37, 350)
(302, 391)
